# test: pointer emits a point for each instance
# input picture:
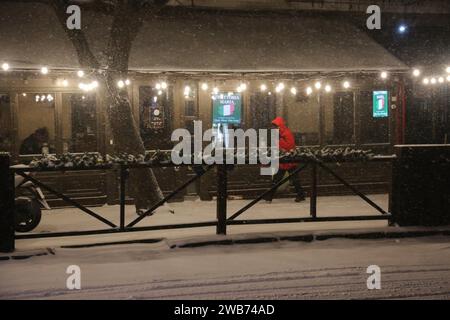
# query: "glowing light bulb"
(243, 86)
(44, 70)
(293, 91)
(263, 87)
(158, 86)
(187, 90)
(416, 72)
(94, 84)
(346, 84)
(384, 75)
(121, 84)
(80, 73)
(5, 66)
(448, 78)
(447, 69)
(127, 82)
(160, 92)
(318, 85)
(426, 81)
(204, 86)
(164, 85)
(327, 88)
(215, 90)
(441, 80)
(433, 80)
(402, 28)
(309, 90)
(65, 83)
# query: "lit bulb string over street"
(317, 82)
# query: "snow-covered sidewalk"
(72, 219)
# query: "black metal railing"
(7, 235)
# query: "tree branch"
(85, 56)
(128, 19)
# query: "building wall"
(314, 121)
(303, 116)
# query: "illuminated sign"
(227, 108)
(380, 104)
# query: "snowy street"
(333, 269)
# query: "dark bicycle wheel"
(27, 215)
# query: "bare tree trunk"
(143, 183)
(127, 20)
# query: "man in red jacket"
(286, 143)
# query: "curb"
(26, 255)
(254, 238)
(310, 236)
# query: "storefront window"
(262, 110)
(302, 114)
(79, 123)
(190, 105)
(374, 127)
(339, 119)
(36, 123)
(429, 117)
(155, 117)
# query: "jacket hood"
(279, 122)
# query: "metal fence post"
(313, 196)
(7, 193)
(122, 194)
(221, 199)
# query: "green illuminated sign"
(227, 108)
(380, 104)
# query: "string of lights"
(87, 84)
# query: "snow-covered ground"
(410, 268)
(72, 219)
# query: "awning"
(30, 36)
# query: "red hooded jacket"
(287, 141)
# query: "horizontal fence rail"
(221, 222)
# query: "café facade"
(329, 80)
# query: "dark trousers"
(294, 179)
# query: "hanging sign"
(227, 108)
(380, 104)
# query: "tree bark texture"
(127, 20)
